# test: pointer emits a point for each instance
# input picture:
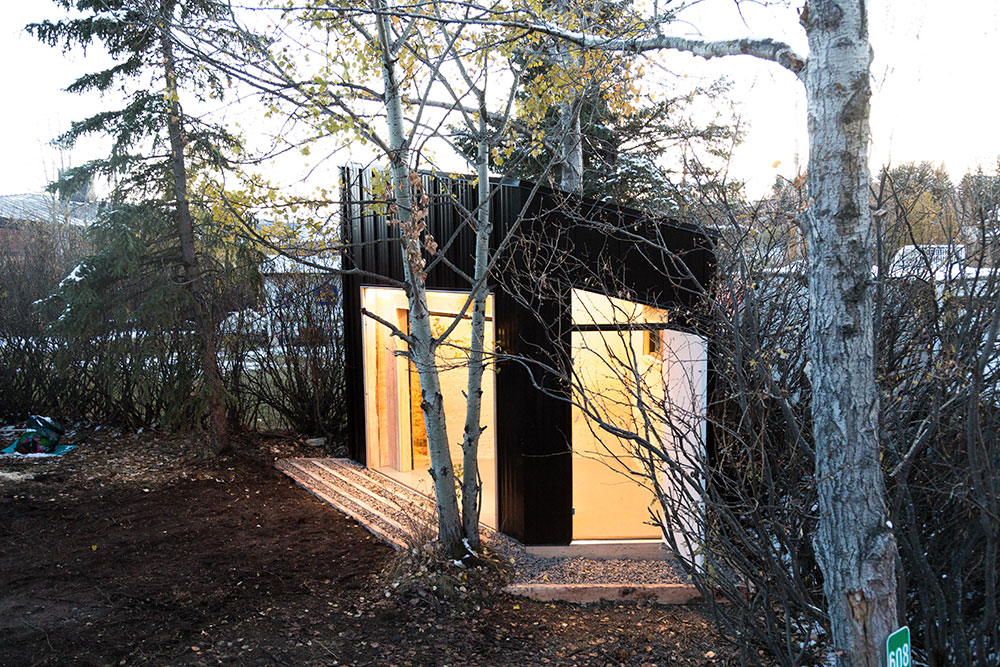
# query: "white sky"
(934, 77)
(35, 110)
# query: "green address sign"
(897, 648)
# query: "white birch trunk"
(471, 487)
(571, 148)
(571, 140)
(422, 348)
(855, 547)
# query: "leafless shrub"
(738, 501)
(938, 316)
(283, 362)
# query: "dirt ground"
(133, 550)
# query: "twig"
(42, 630)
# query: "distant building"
(20, 215)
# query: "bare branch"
(765, 49)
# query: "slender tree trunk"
(471, 483)
(854, 545)
(571, 139)
(571, 147)
(215, 389)
(423, 345)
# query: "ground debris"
(202, 560)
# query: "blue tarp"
(58, 451)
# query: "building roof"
(318, 263)
(43, 207)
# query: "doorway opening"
(396, 438)
(634, 374)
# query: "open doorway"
(633, 373)
(396, 439)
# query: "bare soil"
(134, 550)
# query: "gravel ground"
(406, 506)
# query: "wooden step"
(384, 482)
(387, 508)
(381, 510)
(381, 504)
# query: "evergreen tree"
(624, 137)
(979, 202)
(156, 147)
(125, 314)
(623, 152)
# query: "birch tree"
(571, 136)
(410, 209)
(854, 543)
(470, 59)
(447, 51)
(380, 67)
(562, 80)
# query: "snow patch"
(75, 276)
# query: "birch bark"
(422, 343)
(855, 547)
(571, 141)
(571, 147)
(471, 482)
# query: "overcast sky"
(934, 77)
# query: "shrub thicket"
(99, 329)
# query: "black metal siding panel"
(642, 269)
(536, 464)
(655, 279)
(354, 374)
(511, 380)
(351, 224)
(547, 436)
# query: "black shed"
(564, 265)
